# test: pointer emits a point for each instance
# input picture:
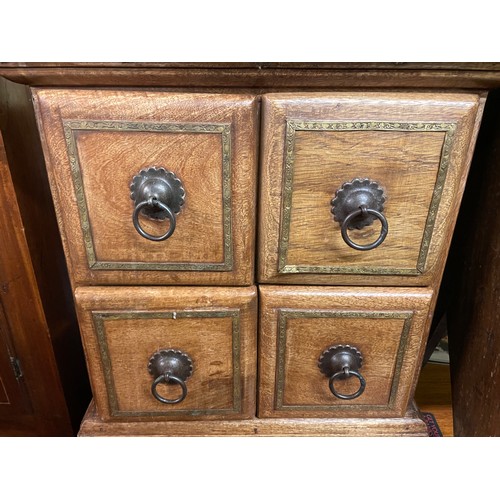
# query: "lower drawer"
(180, 353)
(340, 352)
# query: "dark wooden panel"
(472, 289)
(491, 66)
(263, 75)
(23, 327)
(35, 287)
(13, 397)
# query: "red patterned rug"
(432, 426)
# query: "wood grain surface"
(216, 327)
(226, 93)
(262, 77)
(14, 397)
(195, 159)
(409, 425)
(216, 224)
(41, 233)
(31, 403)
(483, 66)
(405, 158)
(471, 287)
(433, 395)
(297, 324)
(405, 166)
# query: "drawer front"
(309, 336)
(404, 157)
(204, 338)
(112, 155)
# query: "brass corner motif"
(100, 318)
(285, 314)
(224, 129)
(352, 126)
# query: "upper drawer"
(174, 161)
(404, 157)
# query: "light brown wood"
(297, 324)
(123, 327)
(226, 93)
(213, 240)
(409, 425)
(434, 385)
(404, 159)
(433, 395)
(405, 166)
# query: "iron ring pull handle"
(363, 211)
(152, 202)
(340, 362)
(346, 372)
(358, 204)
(167, 378)
(170, 366)
(158, 194)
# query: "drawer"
(129, 167)
(309, 335)
(147, 348)
(402, 156)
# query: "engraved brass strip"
(224, 129)
(100, 317)
(293, 125)
(293, 269)
(399, 360)
(285, 314)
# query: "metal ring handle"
(168, 377)
(347, 372)
(165, 208)
(361, 211)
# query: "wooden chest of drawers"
(345, 200)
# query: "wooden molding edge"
(409, 425)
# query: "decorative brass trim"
(100, 317)
(224, 129)
(285, 314)
(293, 125)
(293, 269)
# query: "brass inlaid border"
(100, 317)
(224, 129)
(285, 314)
(293, 125)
